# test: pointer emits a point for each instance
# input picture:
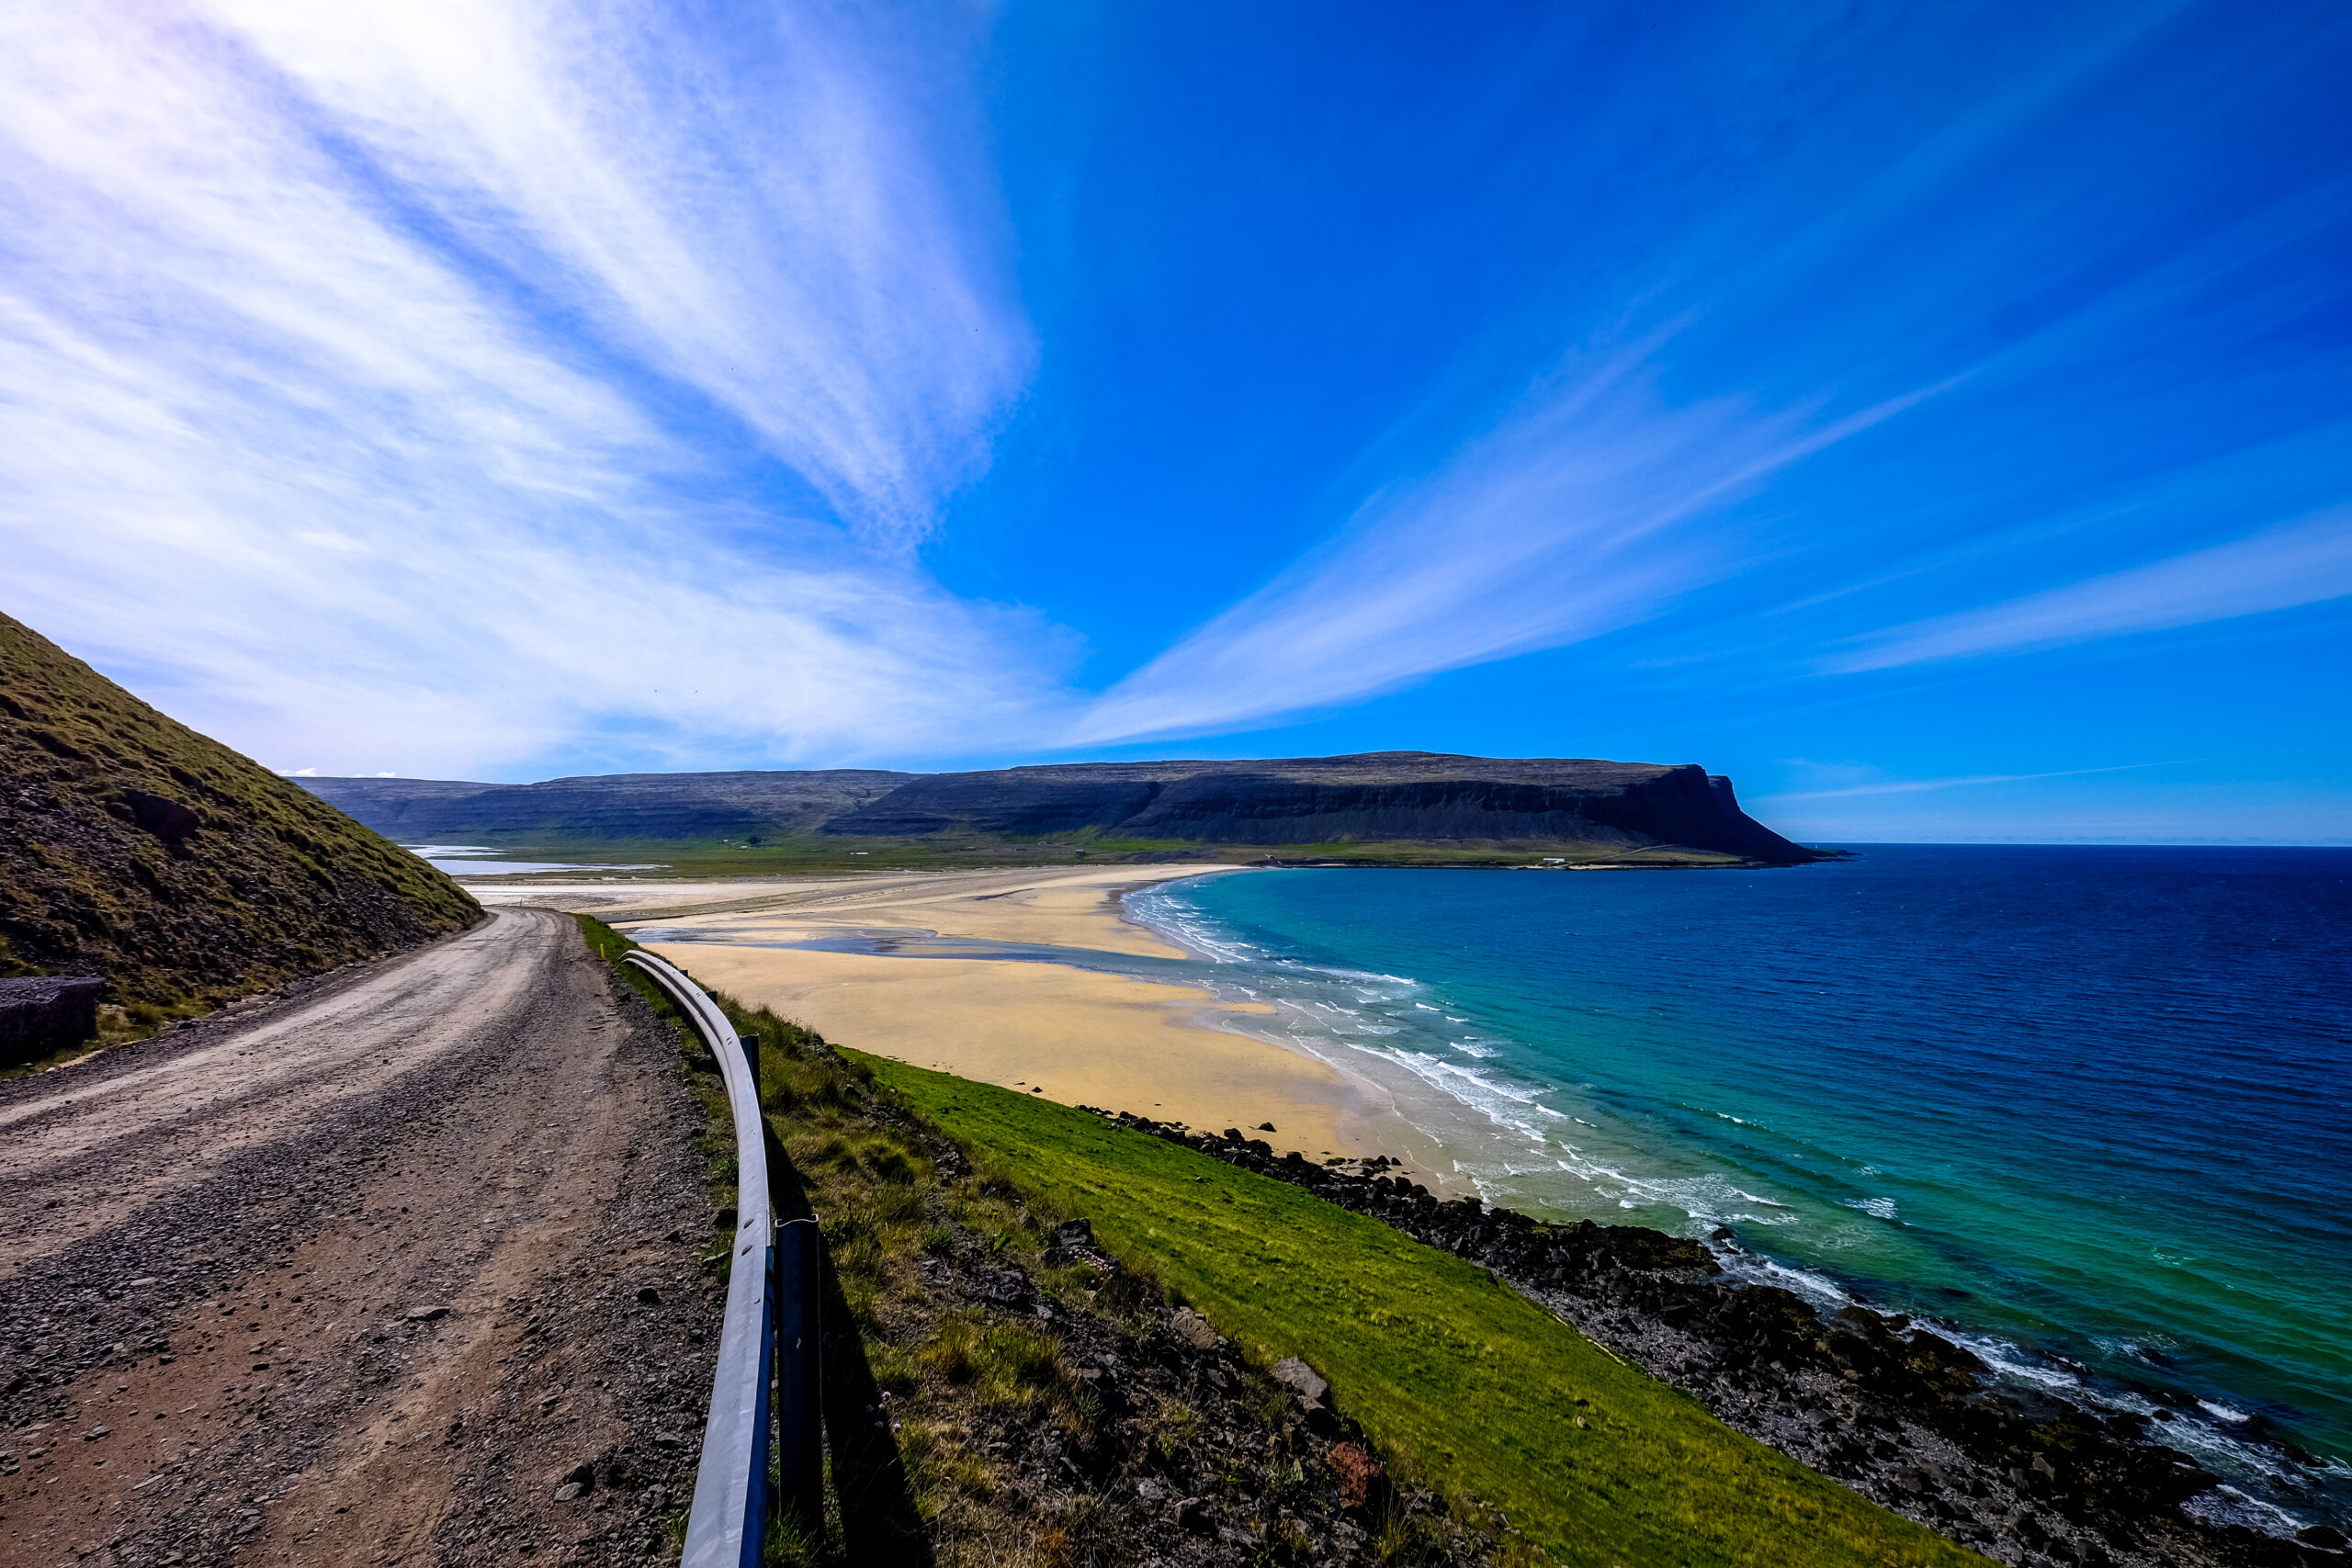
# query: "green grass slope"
(132, 847)
(1591, 1460)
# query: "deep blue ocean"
(2083, 1106)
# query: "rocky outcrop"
(134, 848)
(1893, 1410)
(1405, 797)
(1271, 1434)
(47, 1013)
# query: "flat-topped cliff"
(1381, 797)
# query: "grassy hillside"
(1041, 1414)
(132, 847)
(1482, 1389)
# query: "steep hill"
(1386, 798)
(132, 847)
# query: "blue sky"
(1937, 418)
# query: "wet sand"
(1075, 1035)
(1050, 906)
(1071, 1034)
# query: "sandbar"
(1074, 1035)
(1078, 1035)
(1048, 906)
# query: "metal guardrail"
(772, 1305)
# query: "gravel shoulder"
(397, 1268)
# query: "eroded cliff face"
(1387, 798)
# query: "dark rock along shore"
(1897, 1412)
(1319, 1494)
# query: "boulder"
(1300, 1378)
(47, 1012)
(1193, 1330)
(1073, 1243)
(159, 815)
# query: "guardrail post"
(800, 1459)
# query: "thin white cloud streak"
(1596, 507)
(748, 206)
(1916, 786)
(281, 444)
(1570, 519)
(1590, 509)
(2305, 562)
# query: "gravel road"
(396, 1268)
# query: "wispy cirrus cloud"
(1920, 786)
(2306, 561)
(1848, 246)
(446, 383)
(764, 208)
(1578, 514)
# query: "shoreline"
(1882, 1403)
(1169, 1053)
(2264, 1483)
(1173, 1049)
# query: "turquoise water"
(2083, 1106)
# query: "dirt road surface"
(395, 1269)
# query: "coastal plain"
(1077, 1035)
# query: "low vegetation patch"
(1451, 1373)
(1001, 1390)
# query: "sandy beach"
(1050, 906)
(1075, 1035)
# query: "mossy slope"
(132, 847)
(1594, 1461)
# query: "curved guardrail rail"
(726, 1527)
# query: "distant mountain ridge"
(1382, 796)
(610, 805)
